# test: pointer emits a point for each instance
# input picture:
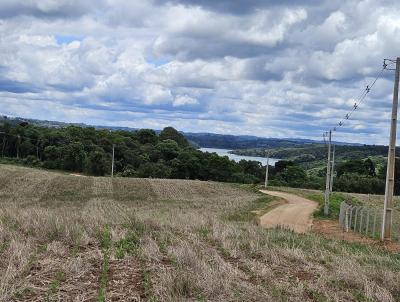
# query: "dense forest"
(168, 154)
(207, 140)
(141, 153)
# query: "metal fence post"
(361, 220)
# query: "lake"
(237, 158)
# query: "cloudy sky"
(267, 68)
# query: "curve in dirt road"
(295, 215)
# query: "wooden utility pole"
(333, 170)
(328, 176)
(388, 206)
(266, 172)
(112, 161)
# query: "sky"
(254, 67)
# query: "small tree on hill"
(173, 134)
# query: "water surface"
(237, 158)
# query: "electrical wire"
(359, 100)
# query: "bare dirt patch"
(295, 215)
(125, 280)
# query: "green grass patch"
(104, 277)
(105, 243)
(55, 285)
(335, 200)
(127, 245)
(148, 287)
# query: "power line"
(328, 134)
(359, 100)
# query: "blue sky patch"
(66, 39)
(157, 61)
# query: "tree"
(27, 148)
(281, 165)
(254, 168)
(52, 156)
(172, 134)
(221, 168)
(294, 175)
(353, 166)
(147, 136)
(98, 163)
(187, 166)
(382, 175)
(369, 167)
(169, 149)
(357, 183)
(73, 157)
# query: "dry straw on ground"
(69, 238)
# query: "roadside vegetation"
(67, 237)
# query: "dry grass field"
(71, 238)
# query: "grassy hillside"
(65, 237)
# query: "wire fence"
(366, 220)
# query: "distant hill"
(315, 152)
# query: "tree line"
(140, 153)
(144, 153)
(353, 175)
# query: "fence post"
(361, 220)
(366, 227)
(374, 225)
(341, 214)
(355, 219)
(351, 215)
(347, 219)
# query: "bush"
(154, 170)
(32, 161)
(354, 182)
(129, 171)
(244, 178)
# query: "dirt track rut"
(296, 214)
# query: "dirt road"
(296, 214)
